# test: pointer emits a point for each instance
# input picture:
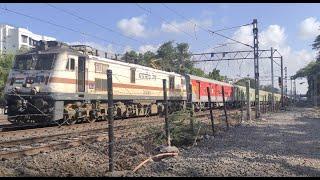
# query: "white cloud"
(274, 36)
(309, 28)
(149, 47)
(187, 26)
(133, 26)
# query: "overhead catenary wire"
(62, 26)
(92, 22)
(209, 31)
(164, 20)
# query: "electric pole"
(286, 81)
(291, 92)
(281, 83)
(285, 84)
(315, 90)
(272, 81)
(256, 66)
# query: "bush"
(181, 131)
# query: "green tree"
(215, 74)
(167, 54)
(147, 58)
(131, 57)
(311, 70)
(316, 46)
(183, 55)
(197, 72)
(6, 61)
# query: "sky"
(290, 28)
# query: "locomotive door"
(81, 74)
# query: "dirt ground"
(281, 144)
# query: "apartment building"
(13, 39)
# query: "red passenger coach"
(199, 90)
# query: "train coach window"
(133, 75)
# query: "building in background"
(13, 39)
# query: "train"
(57, 82)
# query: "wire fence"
(144, 141)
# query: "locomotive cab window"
(171, 82)
(132, 75)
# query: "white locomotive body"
(59, 82)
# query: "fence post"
(191, 109)
(110, 119)
(211, 113)
(264, 105)
(165, 102)
(224, 107)
(241, 106)
(248, 100)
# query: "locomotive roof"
(53, 50)
(102, 59)
(209, 80)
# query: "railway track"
(14, 127)
(24, 143)
(16, 144)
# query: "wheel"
(71, 121)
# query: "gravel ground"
(284, 144)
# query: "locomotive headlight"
(35, 90)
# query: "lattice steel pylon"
(256, 65)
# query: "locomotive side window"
(70, 64)
(101, 68)
(183, 81)
(24, 38)
(171, 82)
(101, 84)
(133, 75)
(67, 67)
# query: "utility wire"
(163, 20)
(207, 30)
(230, 39)
(232, 27)
(61, 26)
(92, 22)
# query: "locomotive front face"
(28, 88)
(30, 74)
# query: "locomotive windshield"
(34, 62)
